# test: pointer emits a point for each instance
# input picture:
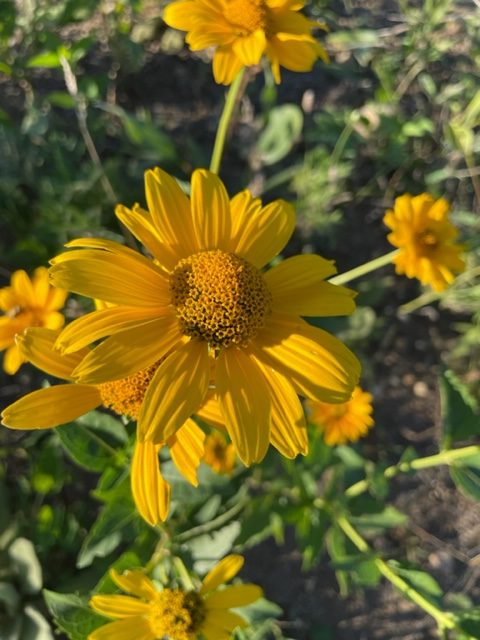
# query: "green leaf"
(459, 409)
(128, 560)
(284, 127)
(261, 610)
(26, 565)
(91, 437)
(469, 621)
(467, 479)
(389, 517)
(72, 614)
(35, 626)
(61, 99)
(420, 580)
(49, 60)
(106, 533)
(208, 548)
(9, 598)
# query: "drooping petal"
(171, 215)
(245, 402)
(37, 345)
(238, 595)
(96, 325)
(221, 619)
(297, 286)
(150, 491)
(264, 233)
(133, 628)
(51, 407)
(134, 582)
(129, 351)
(226, 65)
(175, 392)
(187, 450)
(250, 48)
(210, 210)
(224, 571)
(119, 606)
(319, 365)
(12, 360)
(111, 277)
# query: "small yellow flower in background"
(60, 404)
(426, 239)
(342, 423)
(150, 614)
(244, 30)
(219, 454)
(203, 305)
(27, 303)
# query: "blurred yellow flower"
(219, 454)
(342, 423)
(60, 404)
(426, 239)
(27, 303)
(244, 30)
(204, 307)
(149, 613)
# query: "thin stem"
(443, 619)
(233, 96)
(183, 574)
(363, 269)
(340, 143)
(217, 522)
(444, 457)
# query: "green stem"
(228, 109)
(183, 574)
(363, 269)
(340, 144)
(216, 523)
(444, 457)
(443, 619)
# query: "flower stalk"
(363, 269)
(233, 96)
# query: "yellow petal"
(40, 286)
(51, 407)
(297, 286)
(210, 210)
(134, 582)
(226, 65)
(319, 365)
(187, 450)
(288, 431)
(210, 412)
(244, 399)
(219, 620)
(180, 15)
(118, 606)
(150, 491)
(224, 571)
(23, 289)
(96, 325)
(264, 233)
(250, 48)
(129, 351)
(172, 219)
(12, 360)
(238, 595)
(54, 320)
(114, 278)
(134, 628)
(38, 346)
(175, 392)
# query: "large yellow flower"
(244, 30)
(60, 404)
(426, 239)
(204, 305)
(27, 303)
(174, 613)
(342, 423)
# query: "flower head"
(242, 31)
(342, 423)
(426, 239)
(27, 302)
(203, 306)
(149, 613)
(219, 454)
(62, 403)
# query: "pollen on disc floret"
(220, 298)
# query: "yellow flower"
(205, 307)
(219, 454)
(60, 404)
(174, 613)
(426, 239)
(27, 303)
(244, 30)
(342, 423)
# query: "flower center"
(125, 396)
(428, 239)
(219, 298)
(246, 15)
(176, 614)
